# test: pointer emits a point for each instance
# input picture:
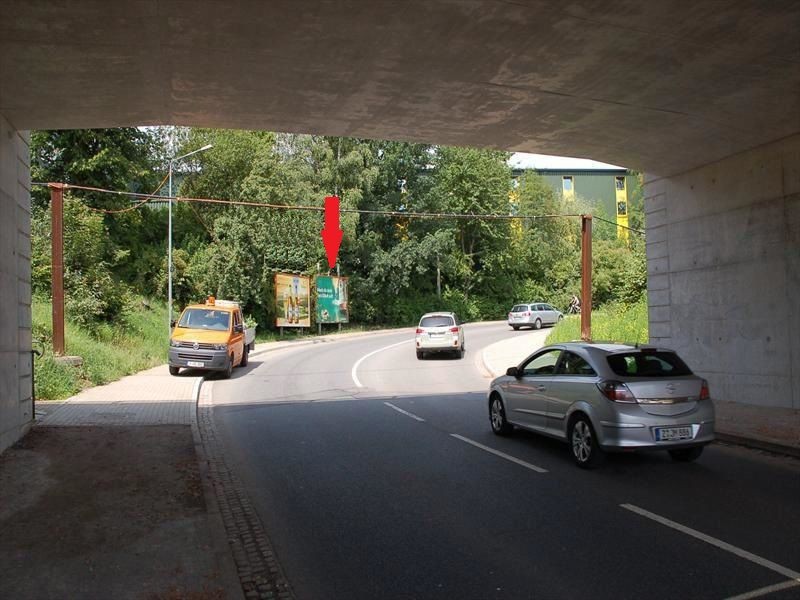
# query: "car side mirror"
(238, 328)
(173, 323)
(512, 372)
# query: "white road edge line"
(405, 412)
(513, 459)
(767, 564)
(353, 373)
(766, 590)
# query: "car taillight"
(528, 314)
(705, 394)
(616, 391)
(454, 330)
(420, 330)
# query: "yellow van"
(210, 337)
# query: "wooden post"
(57, 247)
(586, 277)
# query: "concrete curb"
(259, 573)
(486, 364)
(231, 583)
(757, 444)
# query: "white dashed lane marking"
(513, 459)
(405, 412)
(794, 576)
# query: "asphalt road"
(349, 452)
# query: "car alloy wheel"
(537, 324)
(583, 441)
(497, 416)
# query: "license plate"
(669, 434)
(194, 363)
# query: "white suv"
(440, 332)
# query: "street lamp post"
(169, 231)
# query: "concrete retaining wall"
(723, 256)
(15, 285)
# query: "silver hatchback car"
(606, 397)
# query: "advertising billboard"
(292, 300)
(332, 304)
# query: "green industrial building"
(608, 190)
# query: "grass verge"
(614, 323)
(109, 351)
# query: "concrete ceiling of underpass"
(662, 86)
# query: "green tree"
(92, 293)
(116, 159)
(472, 181)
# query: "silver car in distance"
(606, 397)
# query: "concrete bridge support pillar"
(15, 285)
(723, 257)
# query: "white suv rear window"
(438, 321)
(520, 308)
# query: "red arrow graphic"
(331, 234)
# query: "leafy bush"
(91, 292)
(109, 350)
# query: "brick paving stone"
(151, 397)
(259, 572)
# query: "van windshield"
(205, 318)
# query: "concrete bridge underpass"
(704, 97)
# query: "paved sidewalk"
(110, 491)
(150, 397)
(773, 429)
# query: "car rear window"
(438, 321)
(648, 364)
(520, 308)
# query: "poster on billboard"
(332, 304)
(292, 300)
